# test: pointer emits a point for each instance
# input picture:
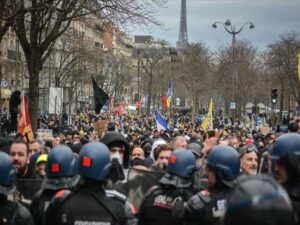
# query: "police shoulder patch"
(205, 192)
(62, 195)
(205, 197)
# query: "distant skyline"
(271, 18)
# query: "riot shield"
(139, 182)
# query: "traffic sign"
(232, 105)
(259, 120)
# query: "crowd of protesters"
(188, 159)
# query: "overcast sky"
(271, 18)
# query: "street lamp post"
(138, 53)
(138, 73)
(229, 28)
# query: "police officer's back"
(258, 200)
(222, 169)
(175, 187)
(11, 213)
(88, 204)
(61, 173)
(285, 152)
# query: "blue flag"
(169, 94)
(160, 122)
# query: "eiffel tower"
(183, 36)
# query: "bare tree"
(117, 76)
(9, 10)
(242, 81)
(282, 62)
(247, 73)
(150, 58)
(195, 71)
(224, 74)
(64, 59)
(39, 28)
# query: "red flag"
(164, 102)
(120, 109)
(24, 125)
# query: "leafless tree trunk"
(38, 29)
(281, 58)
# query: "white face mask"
(116, 156)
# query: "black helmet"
(286, 149)
(113, 138)
(7, 174)
(225, 162)
(258, 200)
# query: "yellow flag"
(299, 67)
(129, 112)
(207, 123)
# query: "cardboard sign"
(100, 126)
(44, 133)
(265, 130)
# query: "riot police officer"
(285, 152)
(174, 188)
(222, 167)
(61, 173)
(88, 204)
(258, 200)
(10, 212)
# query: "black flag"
(14, 103)
(100, 96)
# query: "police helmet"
(287, 149)
(182, 163)
(225, 162)
(286, 144)
(7, 174)
(94, 161)
(258, 200)
(61, 162)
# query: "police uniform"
(207, 207)
(40, 203)
(293, 190)
(258, 200)
(61, 169)
(158, 207)
(12, 213)
(286, 151)
(164, 203)
(89, 206)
